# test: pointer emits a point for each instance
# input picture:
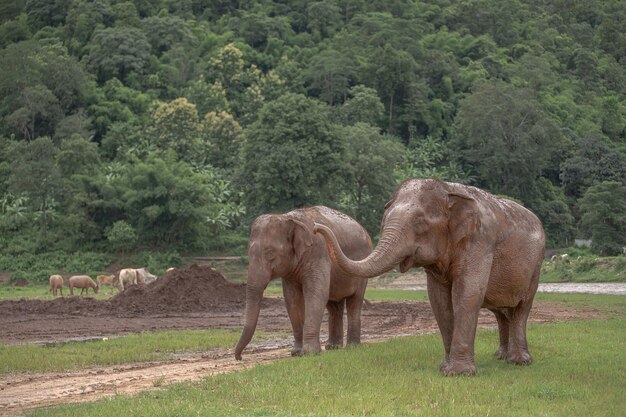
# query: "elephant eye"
(421, 225)
(269, 254)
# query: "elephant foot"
(332, 346)
(501, 353)
(311, 349)
(519, 358)
(353, 344)
(455, 368)
(296, 352)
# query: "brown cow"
(84, 282)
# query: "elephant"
(284, 246)
(478, 251)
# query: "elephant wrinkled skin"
(284, 246)
(478, 250)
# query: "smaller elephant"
(284, 246)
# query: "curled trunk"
(388, 253)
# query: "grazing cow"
(564, 257)
(105, 279)
(144, 277)
(56, 283)
(84, 282)
(128, 276)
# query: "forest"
(169, 125)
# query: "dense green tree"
(77, 155)
(168, 203)
(74, 124)
(10, 9)
(291, 157)
(505, 139)
(35, 174)
(47, 12)
(330, 73)
(363, 105)
(118, 52)
(369, 173)
(121, 236)
(391, 71)
(323, 18)
(83, 18)
(176, 126)
(603, 208)
(15, 30)
(593, 161)
(38, 111)
(550, 205)
(39, 82)
(116, 103)
(225, 137)
(428, 158)
(165, 32)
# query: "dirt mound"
(195, 288)
(185, 290)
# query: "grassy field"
(585, 269)
(579, 370)
(141, 347)
(149, 346)
(41, 291)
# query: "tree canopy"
(176, 123)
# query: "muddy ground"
(197, 297)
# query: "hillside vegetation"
(169, 125)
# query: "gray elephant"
(478, 251)
(284, 246)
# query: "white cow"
(144, 277)
(128, 276)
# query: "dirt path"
(20, 393)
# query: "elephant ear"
(464, 219)
(302, 238)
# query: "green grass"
(611, 304)
(381, 294)
(579, 370)
(141, 347)
(585, 269)
(42, 292)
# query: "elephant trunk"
(387, 254)
(254, 295)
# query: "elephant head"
(277, 245)
(423, 221)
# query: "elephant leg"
(292, 292)
(335, 324)
(468, 293)
(316, 286)
(517, 352)
(441, 303)
(503, 330)
(354, 305)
